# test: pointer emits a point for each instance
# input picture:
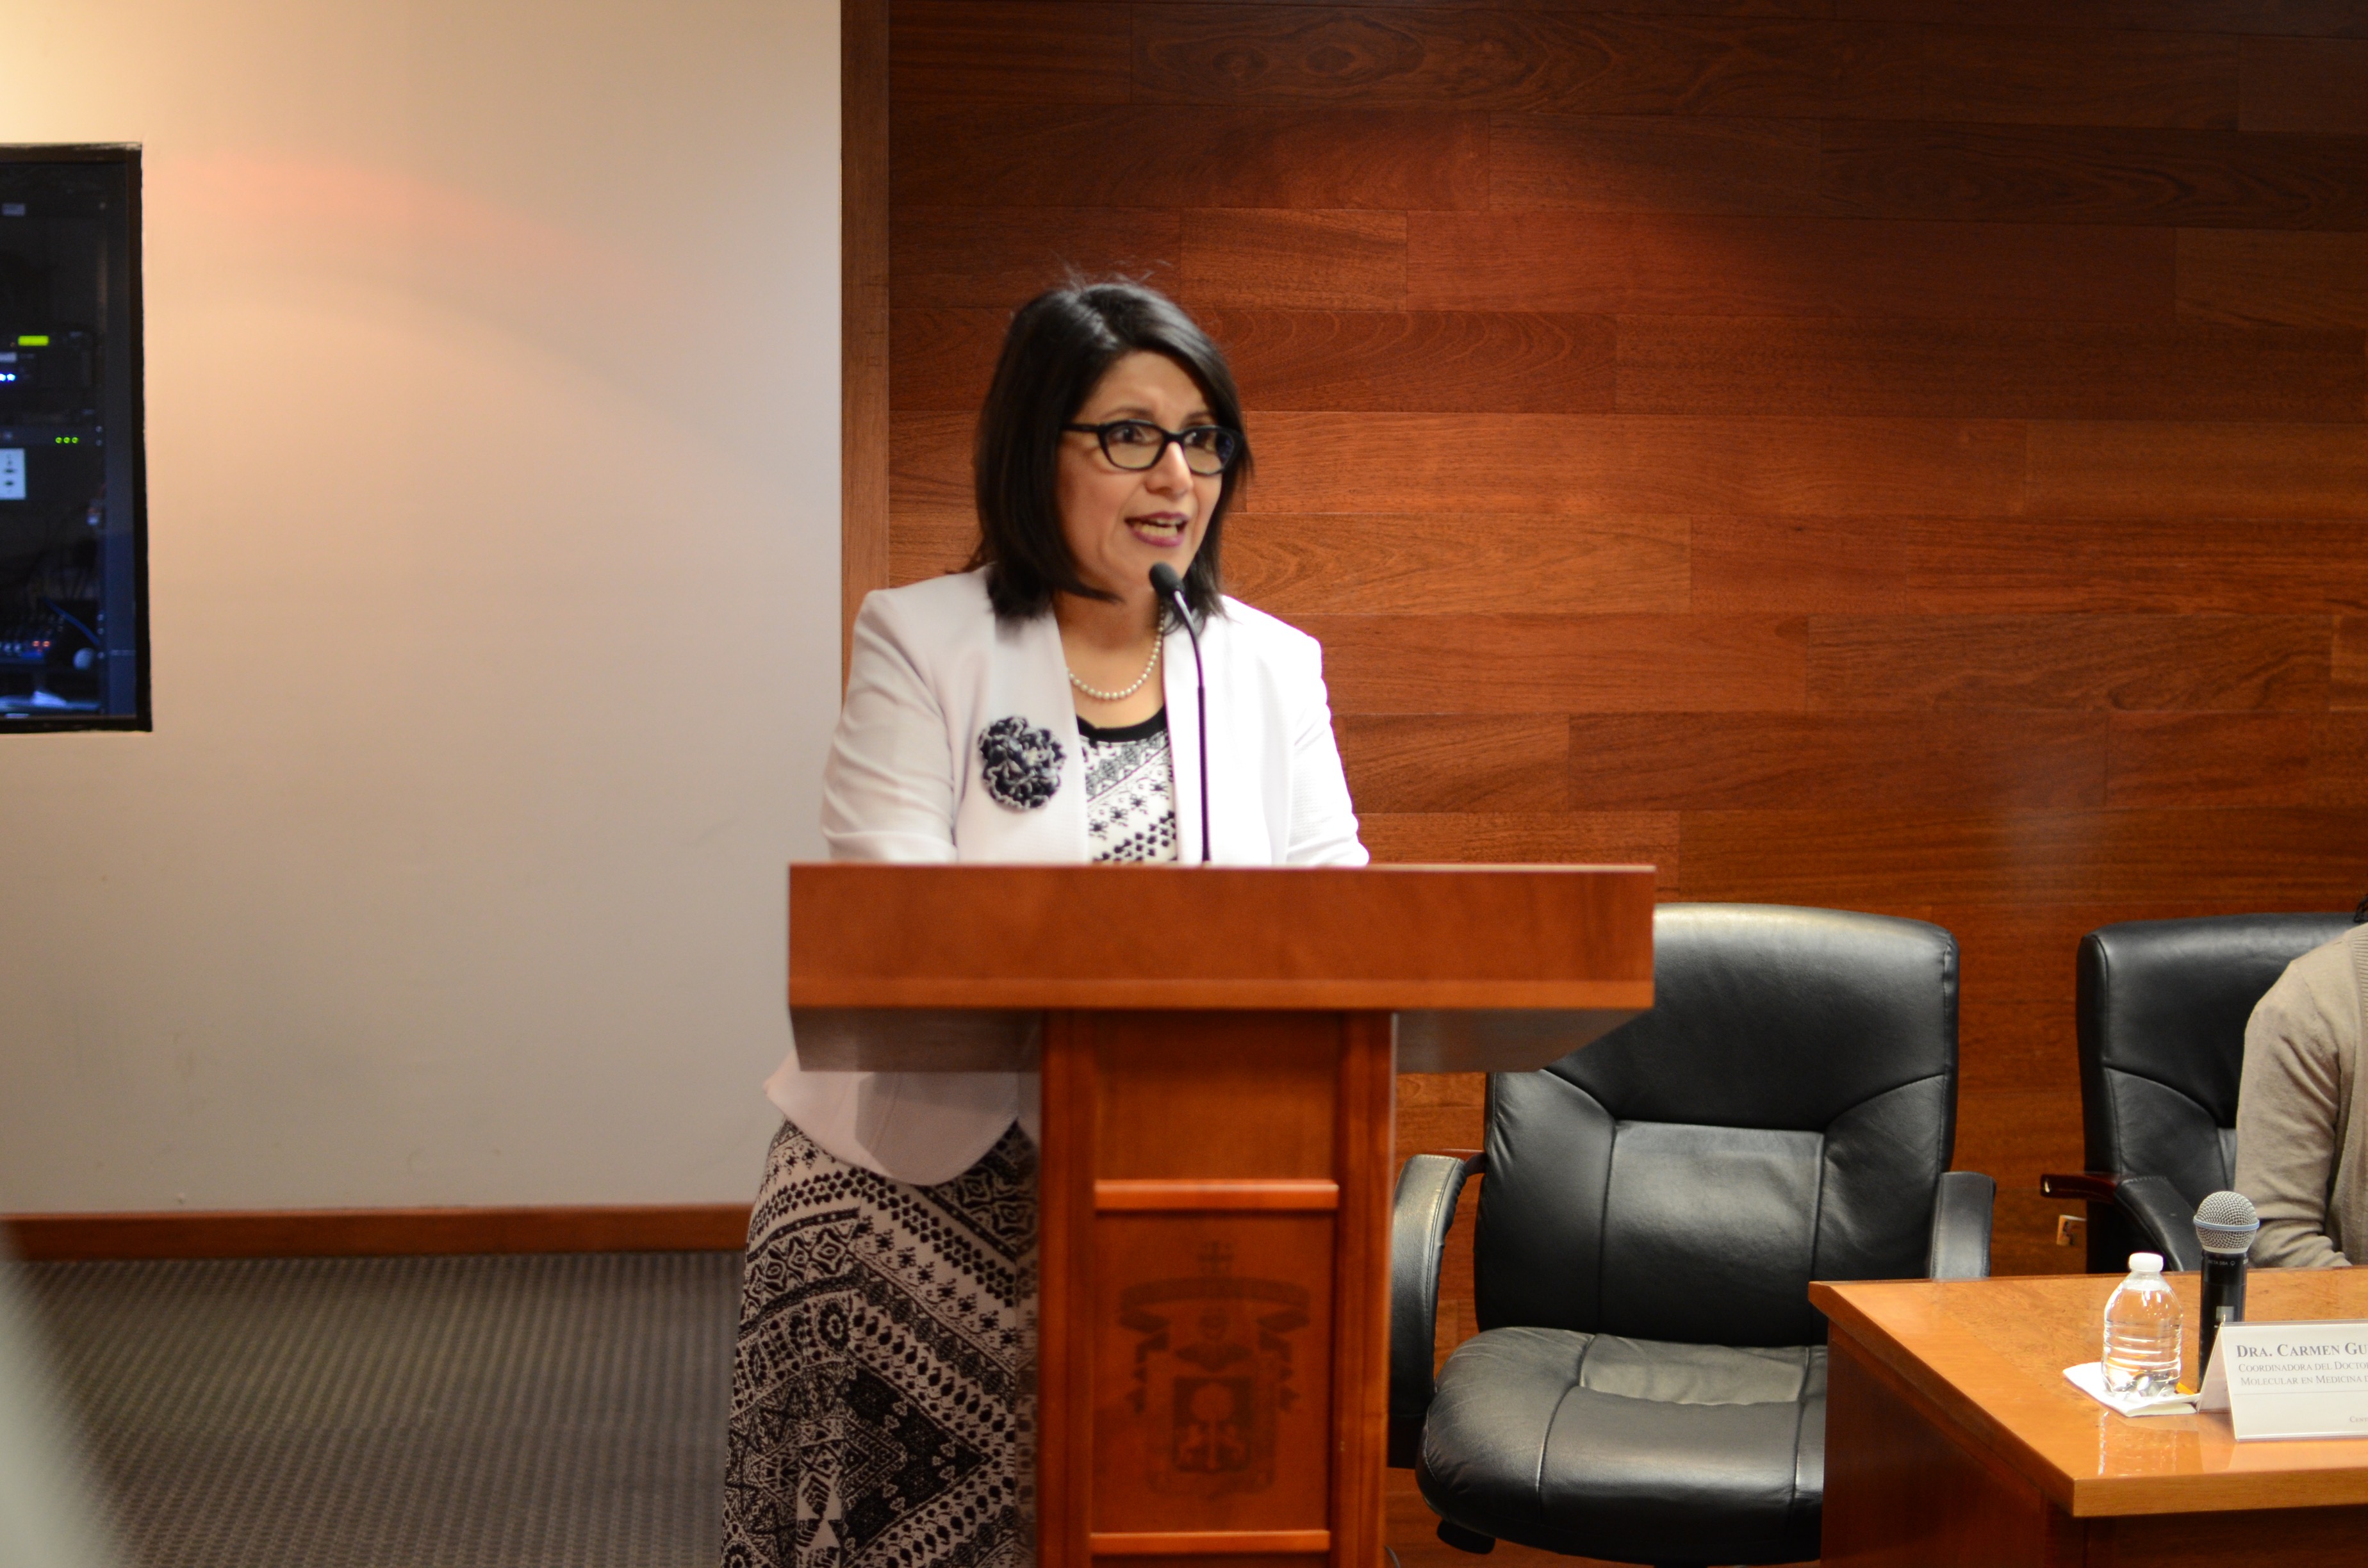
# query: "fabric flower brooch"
(1022, 763)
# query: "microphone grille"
(2225, 1223)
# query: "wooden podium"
(1219, 1049)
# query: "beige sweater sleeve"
(2293, 1112)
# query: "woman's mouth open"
(1164, 530)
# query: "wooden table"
(1951, 1437)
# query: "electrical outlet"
(12, 473)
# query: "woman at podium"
(1038, 708)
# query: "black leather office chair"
(2161, 1016)
(1649, 1382)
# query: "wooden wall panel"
(2309, 84)
(1988, 370)
(2090, 175)
(1147, 155)
(1681, 264)
(1680, 463)
(2300, 19)
(1605, 62)
(2296, 279)
(1456, 562)
(995, 257)
(1346, 261)
(994, 52)
(2122, 662)
(1908, 455)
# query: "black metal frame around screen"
(133, 327)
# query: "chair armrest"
(1961, 1227)
(1420, 1218)
(2163, 1217)
(2081, 1186)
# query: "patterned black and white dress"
(883, 1387)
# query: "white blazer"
(932, 670)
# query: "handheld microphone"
(1170, 588)
(2224, 1223)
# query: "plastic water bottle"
(2141, 1333)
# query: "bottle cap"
(2145, 1263)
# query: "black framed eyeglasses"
(1138, 444)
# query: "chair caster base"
(1472, 1541)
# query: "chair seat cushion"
(1631, 1449)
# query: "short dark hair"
(1060, 346)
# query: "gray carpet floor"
(541, 1412)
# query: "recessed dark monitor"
(73, 545)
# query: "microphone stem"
(1201, 699)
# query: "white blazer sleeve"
(1323, 822)
(887, 789)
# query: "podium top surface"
(1395, 938)
(1989, 1356)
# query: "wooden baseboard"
(376, 1233)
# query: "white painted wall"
(493, 420)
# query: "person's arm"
(2286, 1114)
(888, 787)
(1322, 821)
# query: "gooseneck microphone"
(2224, 1223)
(1170, 588)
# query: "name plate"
(2290, 1380)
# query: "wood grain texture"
(1654, 162)
(1065, 1320)
(1295, 260)
(1790, 762)
(1009, 51)
(2264, 858)
(2016, 1047)
(374, 1232)
(1403, 362)
(1534, 838)
(943, 360)
(1983, 1358)
(1567, 664)
(1989, 370)
(2348, 678)
(1902, 1494)
(1603, 62)
(1196, 1194)
(2090, 175)
(1585, 465)
(2296, 279)
(2099, 469)
(1360, 1324)
(1803, 566)
(996, 258)
(2289, 564)
(2314, 19)
(1907, 452)
(1640, 463)
(2316, 85)
(1147, 156)
(1691, 265)
(2210, 759)
(1298, 937)
(1455, 762)
(1297, 564)
(2134, 662)
(863, 284)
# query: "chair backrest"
(1783, 1113)
(2161, 1016)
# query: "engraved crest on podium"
(1213, 1370)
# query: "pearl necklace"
(1157, 641)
